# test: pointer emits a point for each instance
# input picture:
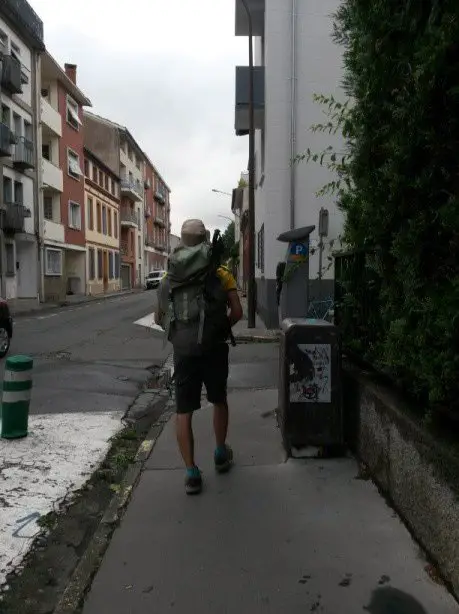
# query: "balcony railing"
(149, 242)
(160, 245)
(11, 75)
(6, 140)
(132, 189)
(160, 196)
(14, 217)
(23, 153)
(129, 217)
(242, 118)
(159, 221)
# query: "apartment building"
(102, 199)
(295, 58)
(21, 42)
(62, 181)
(114, 145)
(157, 219)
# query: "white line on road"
(149, 322)
(37, 473)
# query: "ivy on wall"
(398, 181)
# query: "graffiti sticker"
(310, 373)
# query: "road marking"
(51, 315)
(149, 322)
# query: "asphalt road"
(90, 357)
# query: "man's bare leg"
(223, 453)
(185, 438)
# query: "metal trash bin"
(310, 395)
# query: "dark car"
(6, 328)
(152, 280)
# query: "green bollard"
(17, 389)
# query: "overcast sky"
(165, 69)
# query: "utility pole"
(251, 286)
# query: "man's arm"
(235, 307)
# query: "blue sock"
(193, 472)
(221, 452)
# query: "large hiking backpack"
(198, 303)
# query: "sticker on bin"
(310, 373)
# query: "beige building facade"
(102, 199)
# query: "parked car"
(6, 328)
(152, 280)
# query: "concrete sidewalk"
(270, 537)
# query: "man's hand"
(235, 307)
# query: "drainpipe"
(293, 118)
(38, 194)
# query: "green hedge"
(402, 74)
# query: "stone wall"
(416, 469)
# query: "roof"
(100, 163)
(125, 130)
(51, 68)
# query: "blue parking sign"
(298, 252)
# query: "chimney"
(71, 72)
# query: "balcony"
(241, 123)
(52, 176)
(14, 217)
(51, 118)
(23, 154)
(160, 196)
(131, 190)
(159, 221)
(54, 231)
(11, 75)
(159, 245)
(7, 141)
(149, 242)
(257, 11)
(128, 218)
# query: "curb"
(257, 338)
(87, 567)
(63, 304)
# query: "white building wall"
(318, 71)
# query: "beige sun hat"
(193, 232)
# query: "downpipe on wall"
(293, 111)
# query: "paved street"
(90, 357)
(90, 362)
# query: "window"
(111, 265)
(10, 260)
(74, 215)
(86, 167)
(73, 117)
(139, 246)
(112, 187)
(101, 179)
(104, 220)
(73, 165)
(28, 131)
(117, 265)
(109, 223)
(3, 41)
(90, 207)
(99, 216)
(7, 190)
(94, 173)
(92, 263)
(48, 208)
(107, 183)
(6, 115)
(100, 257)
(115, 225)
(53, 262)
(46, 151)
(17, 125)
(18, 193)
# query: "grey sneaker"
(193, 483)
(223, 459)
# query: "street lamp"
(221, 192)
(225, 217)
(251, 287)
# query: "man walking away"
(198, 305)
